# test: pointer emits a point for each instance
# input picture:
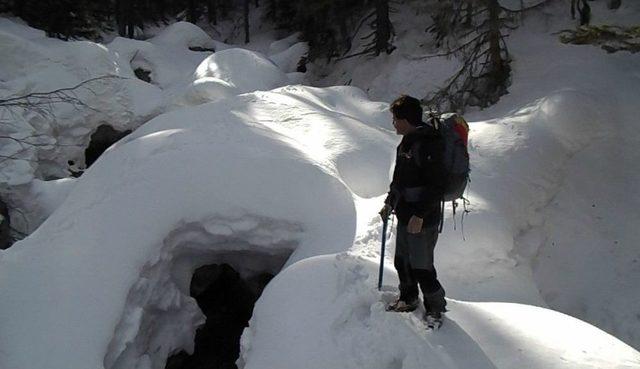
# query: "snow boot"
(401, 306)
(433, 320)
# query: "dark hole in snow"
(227, 300)
(201, 49)
(302, 65)
(101, 139)
(143, 74)
(5, 229)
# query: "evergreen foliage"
(62, 18)
(611, 38)
(474, 31)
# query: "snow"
(288, 60)
(186, 35)
(128, 191)
(39, 199)
(337, 311)
(232, 66)
(283, 44)
(231, 163)
(34, 63)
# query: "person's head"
(407, 114)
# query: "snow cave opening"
(226, 296)
(101, 140)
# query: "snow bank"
(168, 63)
(334, 308)
(39, 199)
(557, 168)
(34, 63)
(551, 181)
(287, 60)
(276, 177)
(184, 34)
(281, 45)
(246, 70)
(63, 129)
(225, 172)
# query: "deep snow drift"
(554, 190)
(252, 177)
(110, 93)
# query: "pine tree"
(485, 73)
(383, 28)
(246, 21)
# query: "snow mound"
(16, 54)
(59, 133)
(183, 34)
(288, 59)
(225, 172)
(202, 90)
(159, 61)
(281, 45)
(246, 70)
(18, 27)
(325, 124)
(338, 311)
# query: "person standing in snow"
(415, 196)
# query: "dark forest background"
(474, 31)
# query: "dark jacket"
(418, 177)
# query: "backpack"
(454, 131)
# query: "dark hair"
(407, 107)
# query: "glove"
(385, 212)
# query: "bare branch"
(55, 94)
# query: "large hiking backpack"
(455, 134)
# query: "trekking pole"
(385, 220)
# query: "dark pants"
(414, 263)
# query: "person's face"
(402, 126)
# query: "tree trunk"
(120, 18)
(224, 8)
(495, 57)
(5, 227)
(383, 26)
(212, 11)
(585, 12)
(246, 21)
(130, 17)
(191, 12)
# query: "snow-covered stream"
(231, 161)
